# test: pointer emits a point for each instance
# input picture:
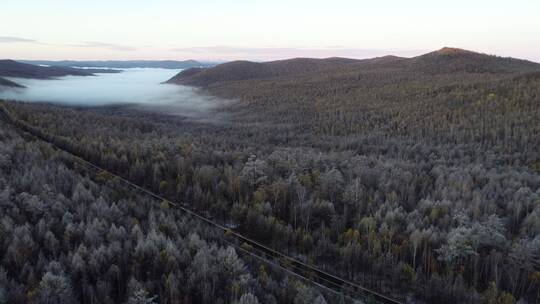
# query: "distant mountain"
(99, 70)
(444, 61)
(163, 64)
(9, 83)
(11, 68)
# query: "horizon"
(219, 61)
(264, 31)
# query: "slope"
(9, 83)
(11, 68)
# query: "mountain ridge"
(244, 70)
(450, 60)
(444, 60)
(12, 68)
(122, 64)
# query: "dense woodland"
(66, 238)
(416, 177)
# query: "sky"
(219, 30)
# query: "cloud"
(9, 39)
(272, 53)
(103, 45)
(89, 44)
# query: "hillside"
(393, 95)
(9, 83)
(163, 64)
(246, 70)
(450, 60)
(11, 68)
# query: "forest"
(419, 178)
(70, 237)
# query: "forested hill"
(447, 96)
(445, 60)
(11, 68)
(9, 83)
(450, 60)
(246, 70)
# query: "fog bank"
(141, 87)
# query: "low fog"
(139, 87)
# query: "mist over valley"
(142, 88)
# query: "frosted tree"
(253, 172)
(55, 289)
(141, 296)
(332, 182)
(248, 298)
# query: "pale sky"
(264, 30)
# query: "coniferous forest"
(416, 177)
